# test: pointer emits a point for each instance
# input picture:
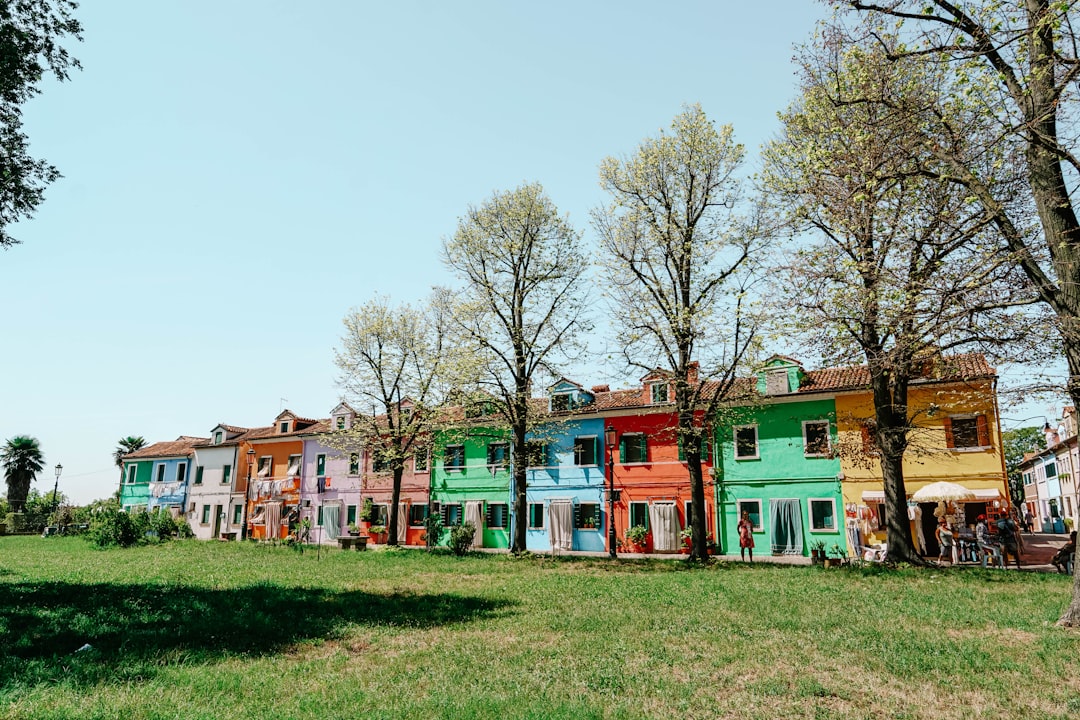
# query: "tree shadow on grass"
(136, 629)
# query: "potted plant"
(367, 509)
(710, 545)
(834, 557)
(687, 535)
(635, 538)
(378, 533)
(354, 529)
(817, 552)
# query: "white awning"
(987, 493)
(873, 496)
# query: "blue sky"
(238, 175)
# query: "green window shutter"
(226, 474)
(596, 515)
(198, 474)
(320, 464)
(577, 516)
(597, 452)
(622, 449)
(319, 520)
(682, 454)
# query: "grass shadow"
(136, 629)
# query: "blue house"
(566, 475)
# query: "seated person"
(988, 549)
(1063, 553)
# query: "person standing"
(945, 542)
(1007, 537)
(1029, 520)
(746, 536)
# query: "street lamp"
(247, 493)
(609, 440)
(56, 486)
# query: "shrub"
(432, 530)
(113, 528)
(636, 535)
(367, 509)
(461, 538)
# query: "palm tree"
(22, 460)
(128, 445)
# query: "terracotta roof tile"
(180, 447)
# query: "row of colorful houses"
(797, 458)
(1051, 491)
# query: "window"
(587, 516)
(1050, 469)
(417, 514)
(815, 438)
(536, 453)
(380, 514)
(218, 437)
(869, 436)
(498, 455)
(536, 516)
(753, 509)
(340, 422)
(822, 514)
(966, 432)
(226, 474)
(658, 392)
(237, 513)
(181, 472)
(320, 464)
(266, 466)
(420, 460)
(1028, 479)
(633, 448)
(350, 515)
(198, 474)
(205, 514)
(497, 516)
(776, 382)
(380, 462)
(746, 442)
(283, 427)
(639, 515)
(688, 513)
(451, 514)
(454, 459)
(354, 463)
(294, 466)
(585, 450)
(160, 473)
(132, 469)
(705, 448)
(561, 402)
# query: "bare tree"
(1017, 65)
(394, 359)
(679, 263)
(521, 309)
(898, 266)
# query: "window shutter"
(867, 441)
(596, 515)
(444, 513)
(947, 424)
(598, 457)
(643, 445)
(682, 453)
(488, 516)
(577, 516)
(984, 431)
(622, 449)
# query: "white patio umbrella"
(943, 491)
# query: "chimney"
(692, 372)
(601, 388)
(1051, 436)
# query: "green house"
(777, 462)
(471, 481)
(135, 486)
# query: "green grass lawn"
(231, 630)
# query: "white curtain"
(664, 520)
(331, 521)
(785, 517)
(474, 513)
(402, 522)
(273, 520)
(561, 525)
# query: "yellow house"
(956, 438)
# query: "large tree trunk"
(890, 409)
(395, 498)
(692, 452)
(520, 486)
